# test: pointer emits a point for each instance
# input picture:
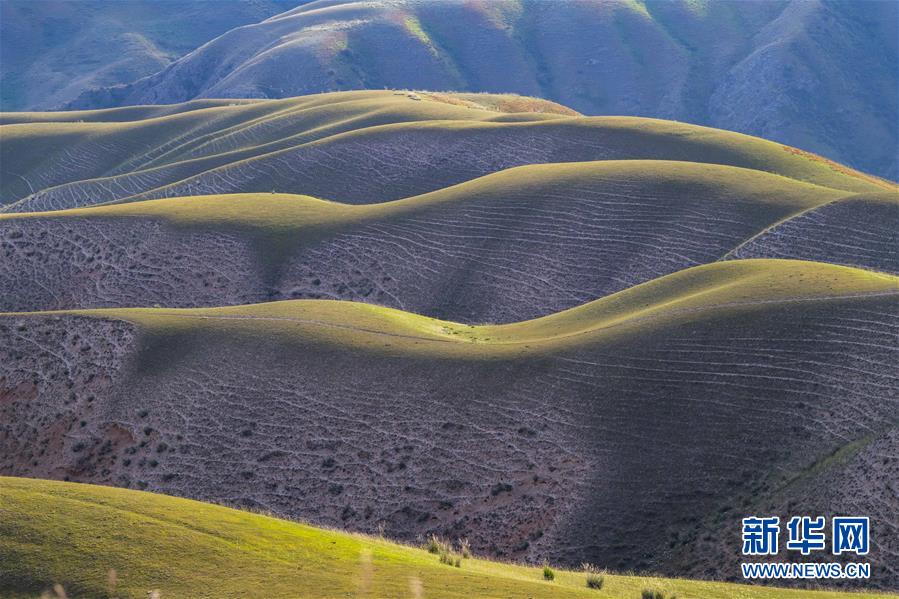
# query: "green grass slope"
(732, 287)
(383, 145)
(70, 534)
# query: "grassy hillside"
(509, 246)
(725, 287)
(549, 348)
(268, 213)
(55, 532)
(560, 437)
(39, 148)
(355, 147)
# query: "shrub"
(465, 548)
(448, 557)
(595, 578)
(548, 573)
(433, 544)
(652, 594)
(444, 551)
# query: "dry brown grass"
(842, 169)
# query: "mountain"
(179, 548)
(54, 50)
(820, 75)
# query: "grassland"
(71, 534)
(144, 152)
(730, 288)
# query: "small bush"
(433, 544)
(449, 558)
(652, 594)
(444, 551)
(465, 548)
(595, 578)
(548, 573)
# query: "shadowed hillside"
(604, 433)
(509, 246)
(819, 75)
(859, 230)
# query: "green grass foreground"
(73, 534)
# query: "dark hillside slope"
(513, 245)
(859, 230)
(627, 432)
(820, 75)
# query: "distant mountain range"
(817, 75)
(53, 50)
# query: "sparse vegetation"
(595, 577)
(709, 296)
(444, 551)
(465, 548)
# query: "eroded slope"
(509, 246)
(861, 230)
(613, 432)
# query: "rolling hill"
(818, 75)
(55, 50)
(572, 338)
(352, 147)
(633, 431)
(509, 246)
(180, 548)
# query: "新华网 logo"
(806, 535)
